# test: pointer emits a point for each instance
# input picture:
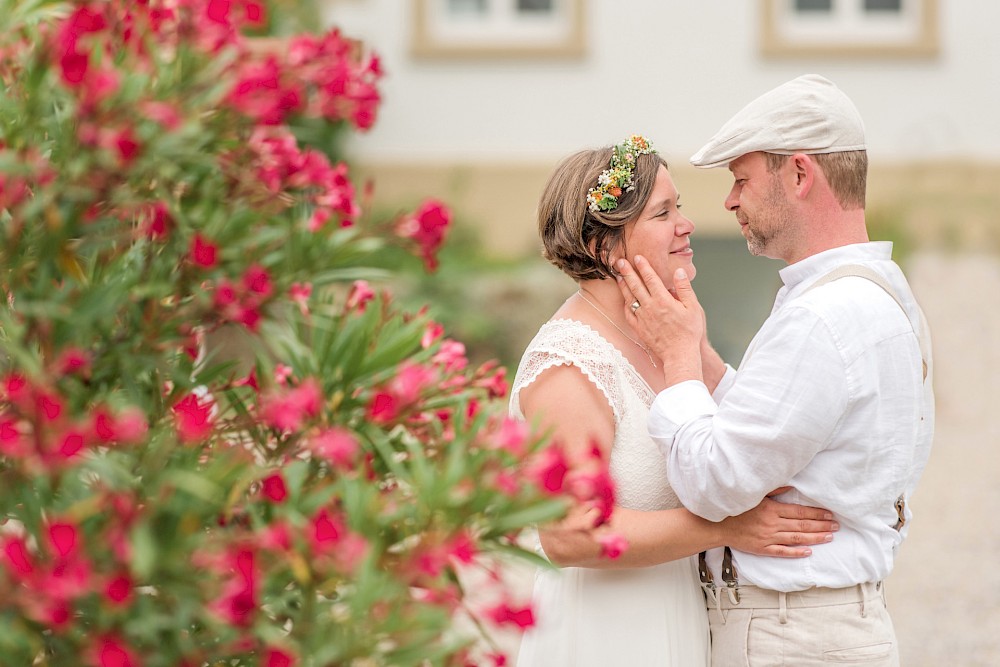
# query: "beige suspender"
(859, 271)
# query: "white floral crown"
(618, 179)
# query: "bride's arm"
(770, 529)
(578, 415)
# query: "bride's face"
(661, 234)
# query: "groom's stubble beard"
(765, 226)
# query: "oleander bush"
(315, 501)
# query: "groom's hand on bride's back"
(778, 529)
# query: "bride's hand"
(778, 529)
(574, 538)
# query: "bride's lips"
(686, 250)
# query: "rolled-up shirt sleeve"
(725, 384)
(771, 420)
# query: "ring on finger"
(635, 306)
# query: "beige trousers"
(819, 626)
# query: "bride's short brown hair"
(574, 238)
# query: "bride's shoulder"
(573, 336)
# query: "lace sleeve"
(569, 343)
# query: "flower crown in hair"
(613, 182)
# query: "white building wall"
(674, 70)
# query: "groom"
(832, 398)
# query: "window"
(872, 28)
(498, 28)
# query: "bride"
(588, 378)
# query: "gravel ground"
(944, 595)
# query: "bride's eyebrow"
(665, 203)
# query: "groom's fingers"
(630, 283)
(651, 281)
(782, 551)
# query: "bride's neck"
(605, 291)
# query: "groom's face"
(760, 203)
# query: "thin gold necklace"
(620, 330)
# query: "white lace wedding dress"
(625, 617)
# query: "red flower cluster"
(288, 409)
(283, 167)
(36, 429)
(238, 602)
(342, 83)
(401, 394)
(48, 583)
(243, 302)
(427, 228)
(193, 417)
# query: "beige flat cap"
(806, 115)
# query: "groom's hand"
(672, 323)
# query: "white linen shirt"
(830, 399)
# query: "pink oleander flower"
(260, 93)
(118, 590)
(592, 483)
(49, 406)
(274, 489)
(256, 279)
(299, 293)
(12, 441)
(125, 144)
(193, 418)
(110, 651)
(511, 436)
(276, 657)
(238, 602)
(166, 114)
(451, 356)
(203, 252)
(336, 445)
(282, 374)
(250, 317)
(505, 614)
(359, 296)
(382, 408)
(276, 536)
(431, 334)
(462, 548)
(613, 545)
(14, 387)
(550, 468)
(472, 409)
(73, 361)
(17, 558)
(63, 539)
(156, 221)
(507, 482)
(410, 380)
(496, 384)
(69, 443)
(73, 59)
(249, 381)
(287, 410)
(427, 227)
(326, 531)
(128, 427)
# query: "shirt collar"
(818, 265)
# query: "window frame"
(774, 43)
(430, 21)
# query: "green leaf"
(143, 550)
(541, 513)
